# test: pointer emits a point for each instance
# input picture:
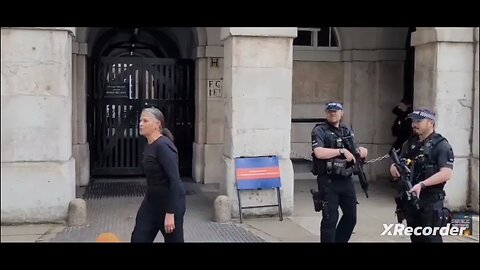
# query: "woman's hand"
(169, 222)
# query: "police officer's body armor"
(334, 167)
(432, 213)
(424, 164)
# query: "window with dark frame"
(316, 37)
(304, 38)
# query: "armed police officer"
(432, 158)
(332, 165)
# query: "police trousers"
(150, 220)
(338, 192)
(431, 214)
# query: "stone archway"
(189, 38)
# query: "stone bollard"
(77, 212)
(222, 209)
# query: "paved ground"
(30, 233)
(117, 215)
(304, 224)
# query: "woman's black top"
(164, 185)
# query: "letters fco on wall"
(214, 88)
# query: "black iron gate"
(123, 86)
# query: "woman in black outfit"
(163, 207)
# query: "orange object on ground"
(107, 238)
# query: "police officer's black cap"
(333, 106)
(421, 114)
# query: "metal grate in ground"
(118, 189)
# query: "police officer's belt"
(336, 166)
(432, 194)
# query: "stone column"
(80, 151)
(200, 117)
(444, 76)
(210, 104)
(258, 92)
(215, 116)
(37, 168)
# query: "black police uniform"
(429, 156)
(402, 127)
(335, 185)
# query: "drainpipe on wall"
(472, 125)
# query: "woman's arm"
(167, 156)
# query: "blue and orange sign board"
(257, 172)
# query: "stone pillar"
(37, 168)
(210, 104)
(444, 76)
(80, 151)
(200, 118)
(258, 91)
(215, 116)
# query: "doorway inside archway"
(134, 68)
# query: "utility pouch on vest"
(338, 166)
